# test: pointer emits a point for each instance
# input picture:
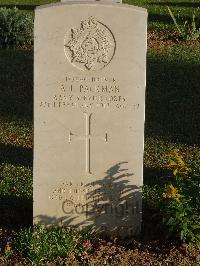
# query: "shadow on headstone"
(53, 221)
(115, 203)
(110, 208)
(16, 212)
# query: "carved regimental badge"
(91, 47)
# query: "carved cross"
(87, 137)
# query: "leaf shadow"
(112, 205)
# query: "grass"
(158, 18)
(172, 112)
(24, 4)
(44, 244)
(172, 108)
(158, 15)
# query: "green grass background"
(172, 109)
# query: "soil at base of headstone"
(136, 252)
(144, 253)
(158, 40)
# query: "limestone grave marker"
(89, 95)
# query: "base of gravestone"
(102, 1)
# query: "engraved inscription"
(91, 47)
(81, 92)
(92, 199)
(87, 138)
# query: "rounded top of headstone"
(92, 3)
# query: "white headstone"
(89, 98)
